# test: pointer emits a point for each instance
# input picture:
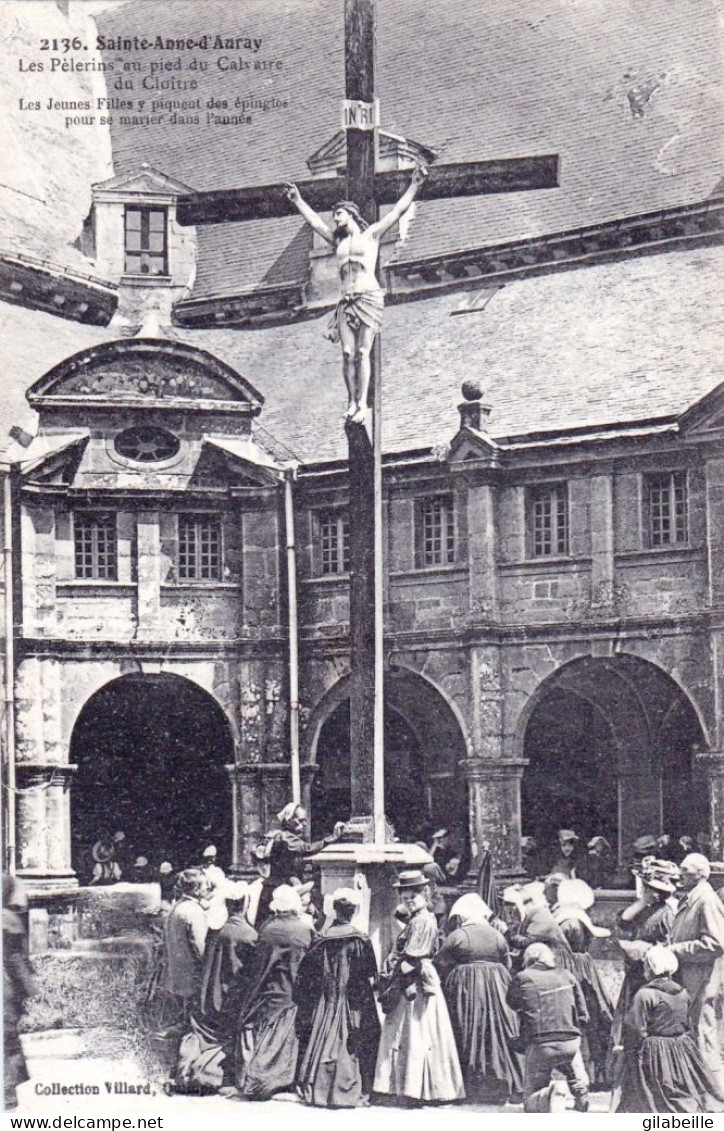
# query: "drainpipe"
(9, 668)
(290, 475)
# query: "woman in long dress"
(663, 1070)
(645, 922)
(417, 1059)
(228, 946)
(575, 898)
(265, 1047)
(337, 1022)
(474, 963)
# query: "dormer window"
(146, 240)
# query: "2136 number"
(75, 44)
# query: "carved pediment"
(218, 467)
(59, 467)
(705, 419)
(143, 372)
(144, 181)
(471, 448)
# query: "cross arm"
(466, 178)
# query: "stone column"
(148, 569)
(308, 771)
(57, 811)
(712, 762)
(494, 794)
(482, 549)
(602, 559)
(640, 806)
(43, 824)
(261, 789)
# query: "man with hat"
(141, 872)
(697, 940)
(597, 863)
(166, 878)
(184, 937)
(213, 874)
(337, 1022)
(106, 869)
(566, 860)
(418, 1058)
(441, 848)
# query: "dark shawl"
(337, 1022)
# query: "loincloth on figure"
(360, 308)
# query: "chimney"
(473, 413)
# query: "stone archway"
(424, 748)
(151, 752)
(610, 745)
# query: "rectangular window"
(666, 506)
(334, 542)
(95, 546)
(548, 520)
(199, 548)
(146, 244)
(435, 533)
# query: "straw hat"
(102, 852)
(411, 878)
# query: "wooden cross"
(369, 189)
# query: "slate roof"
(617, 342)
(631, 103)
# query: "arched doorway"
(424, 746)
(610, 746)
(151, 752)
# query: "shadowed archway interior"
(424, 784)
(151, 752)
(610, 745)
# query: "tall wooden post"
(368, 189)
(365, 486)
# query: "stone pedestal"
(370, 870)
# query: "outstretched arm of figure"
(313, 218)
(419, 176)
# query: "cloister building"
(553, 488)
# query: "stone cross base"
(371, 871)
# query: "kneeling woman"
(262, 1001)
(662, 1067)
(474, 963)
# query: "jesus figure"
(358, 316)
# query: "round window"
(146, 444)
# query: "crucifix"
(365, 190)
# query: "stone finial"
(473, 413)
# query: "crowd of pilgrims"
(264, 987)
(261, 986)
